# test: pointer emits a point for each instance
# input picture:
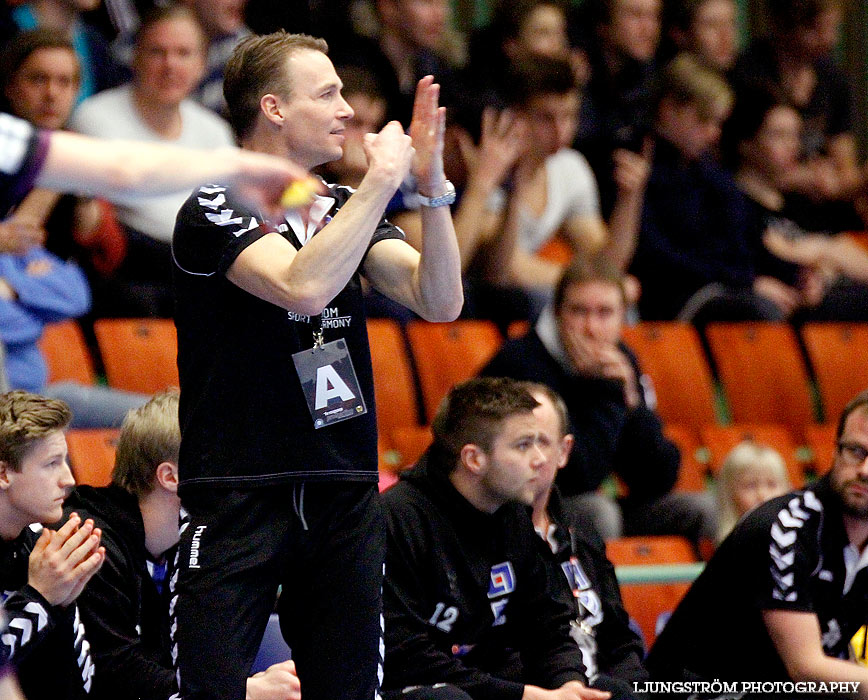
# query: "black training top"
(244, 419)
(788, 554)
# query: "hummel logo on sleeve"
(784, 533)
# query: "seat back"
(721, 439)
(409, 443)
(139, 354)
(394, 386)
(839, 356)
(762, 372)
(671, 354)
(821, 440)
(692, 472)
(92, 454)
(449, 353)
(650, 601)
(66, 353)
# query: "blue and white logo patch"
(502, 580)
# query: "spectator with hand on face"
(576, 349)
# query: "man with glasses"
(786, 591)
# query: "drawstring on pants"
(298, 503)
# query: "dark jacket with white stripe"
(127, 618)
(788, 554)
(43, 643)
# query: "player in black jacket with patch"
(467, 585)
(611, 651)
(787, 589)
(42, 571)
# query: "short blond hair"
(744, 457)
(26, 418)
(150, 435)
(685, 80)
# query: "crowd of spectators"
(597, 125)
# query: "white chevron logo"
(215, 203)
(787, 520)
(212, 190)
(784, 539)
(253, 224)
(812, 502)
(224, 218)
(784, 581)
(82, 657)
(796, 509)
(782, 561)
(39, 611)
(790, 597)
(26, 627)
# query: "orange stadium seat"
(671, 354)
(691, 475)
(449, 353)
(821, 440)
(92, 454)
(651, 549)
(66, 354)
(721, 439)
(409, 443)
(139, 354)
(394, 386)
(646, 602)
(839, 356)
(762, 372)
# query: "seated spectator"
(576, 349)
(750, 475)
(785, 591)
(39, 83)
(518, 29)
(466, 587)
(706, 28)
(411, 42)
(526, 186)
(611, 651)
(37, 288)
(42, 571)
(126, 605)
(693, 258)
(617, 107)
(98, 70)
(788, 234)
(796, 58)
(168, 63)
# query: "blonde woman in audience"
(751, 474)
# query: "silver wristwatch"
(446, 198)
